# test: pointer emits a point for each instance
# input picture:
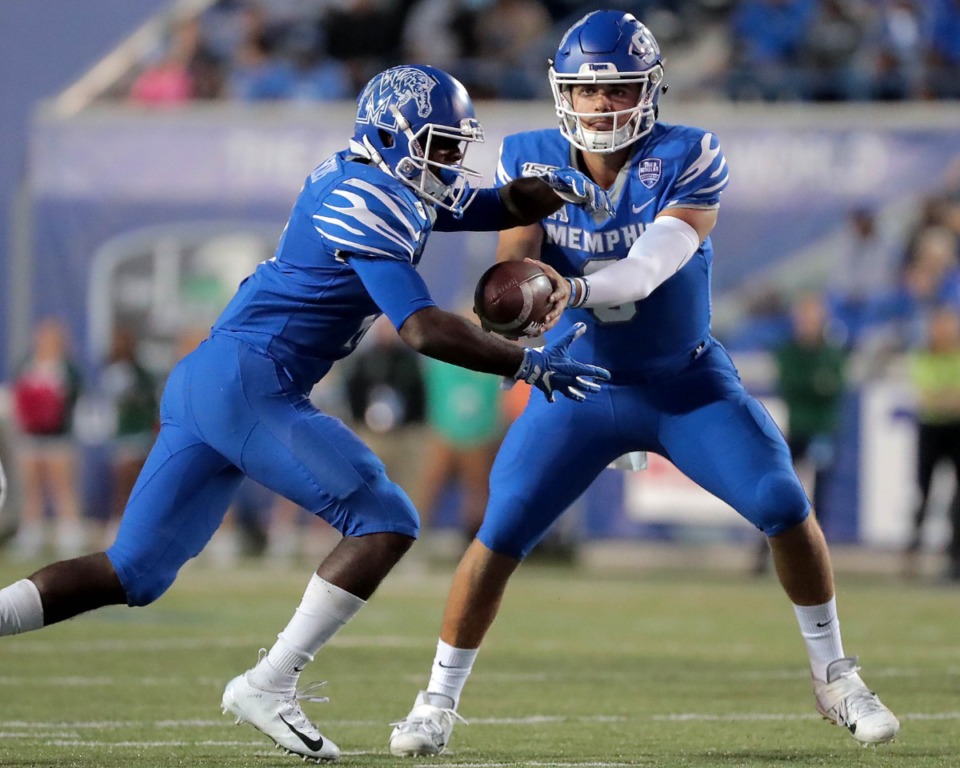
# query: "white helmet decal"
(396, 88)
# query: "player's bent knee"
(780, 504)
(502, 545)
(381, 507)
(147, 589)
(142, 586)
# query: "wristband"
(584, 291)
(526, 364)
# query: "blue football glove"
(550, 369)
(574, 187)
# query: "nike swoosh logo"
(824, 623)
(546, 380)
(638, 208)
(447, 666)
(313, 744)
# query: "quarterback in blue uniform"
(239, 404)
(640, 281)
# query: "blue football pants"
(701, 419)
(229, 411)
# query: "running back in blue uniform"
(238, 405)
(640, 283)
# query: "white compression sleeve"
(663, 248)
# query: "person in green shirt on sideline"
(811, 377)
(465, 423)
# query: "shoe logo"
(638, 208)
(298, 669)
(825, 623)
(313, 744)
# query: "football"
(512, 298)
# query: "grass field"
(648, 669)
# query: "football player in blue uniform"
(641, 283)
(239, 405)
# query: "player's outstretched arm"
(454, 339)
(531, 198)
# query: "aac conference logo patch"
(649, 171)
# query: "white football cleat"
(279, 716)
(845, 700)
(426, 730)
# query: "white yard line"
(178, 643)
(28, 729)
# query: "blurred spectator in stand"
(130, 392)
(257, 73)
(766, 43)
(943, 60)
(362, 34)
(929, 277)
(896, 39)
(169, 79)
(465, 424)
(315, 76)
(864, 270)
(935, 374)
(830, 54)
(45, 391)
(441, 33)
(811, 380)
(513, 37)
(387, 400)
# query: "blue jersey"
(675, 391)
(674, 166)
(349, 252)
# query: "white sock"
(451, 668)
(820, 628)
(324, 609)
(20, 608)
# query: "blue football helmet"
(406, 112)
(607, 47)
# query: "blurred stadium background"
(151, 152)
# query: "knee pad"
(381, 506)
(507, 531)
(780, 503)
(495, 541)
(142, 588)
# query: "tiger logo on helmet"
(405, 110)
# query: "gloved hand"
(574, 187)
(550, 369)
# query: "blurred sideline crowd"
(771, 50)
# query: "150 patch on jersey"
(649, 171)
(536, 169)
